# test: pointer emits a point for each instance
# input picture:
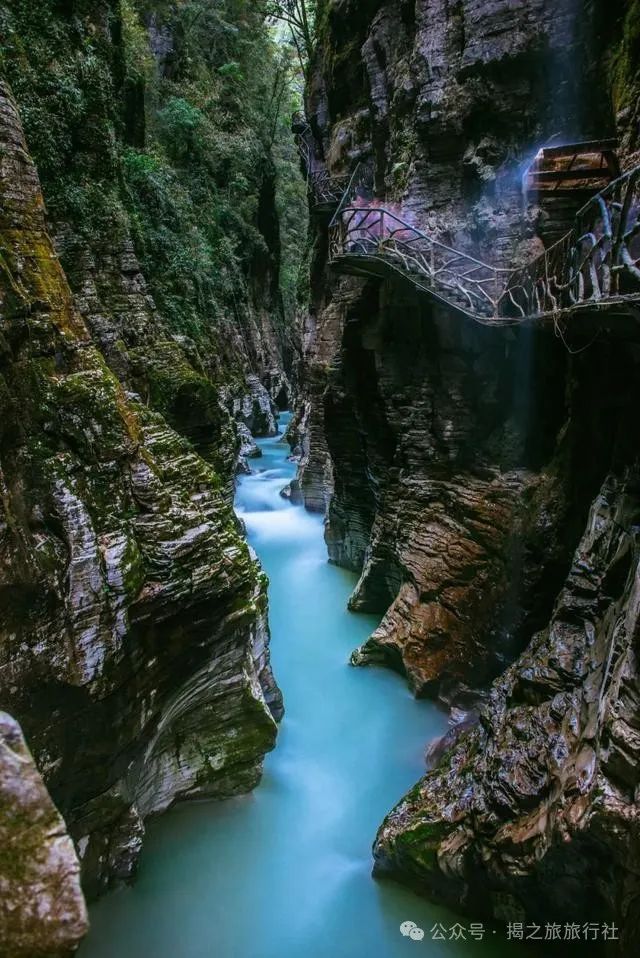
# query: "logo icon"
(409, 929)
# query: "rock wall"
(460, 466)
(479, 481)
(143, 340)
(134, 643)
(533, 814)
(42, 909)
(439, 449)
(163, 215)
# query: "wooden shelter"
(562, 179)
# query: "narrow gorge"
(320, 335)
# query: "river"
(286, 871)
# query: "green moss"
(177, 157)
(627, 59)
(420, 843)
(133, 569)
(26, 818)
(403, 150)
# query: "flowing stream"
(286, 871)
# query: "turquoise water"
(286, 872)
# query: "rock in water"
(42, 908)
(256, 410)
(535, 809)
(249, 449)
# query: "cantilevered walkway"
(594, 270)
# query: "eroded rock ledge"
(134, 644)
(534, 812)
(42, 909)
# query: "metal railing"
(598, 260)
(376, 233)
(325, 191)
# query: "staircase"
(594, 267)
(372, 241)
(325, 191)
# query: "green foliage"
(180, 127)
(231, 70)
(64, 88)
(298, 21)
(138, 58)
(213, 115)
(291, 195)
(627, 58)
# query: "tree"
(299, 17)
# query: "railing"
(597, 261)
(303, 138)
(376, 233)
(325, 191)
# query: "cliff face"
(476, 477)
(141, 328)
(134, 643)
(42, 910)
(150, 129)
(534, 813)
(453, 483)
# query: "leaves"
(299, 17)
(211, 112)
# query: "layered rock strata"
(98, 85)
(534, 813)
(134, 644)
(482, 481)
(431, 444)
(42, 909)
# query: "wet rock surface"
(42, 909)
(133, 621)
(453, 492)
(256, 409)
(134, 644)
(537, 805)
(468, 473)
(248, 449)
(448, 456)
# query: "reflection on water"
(285, 872)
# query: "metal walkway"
(594, 270)
(325, 191)
(596, 266)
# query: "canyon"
(135, 641)
(164, 296)
(482, 481)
